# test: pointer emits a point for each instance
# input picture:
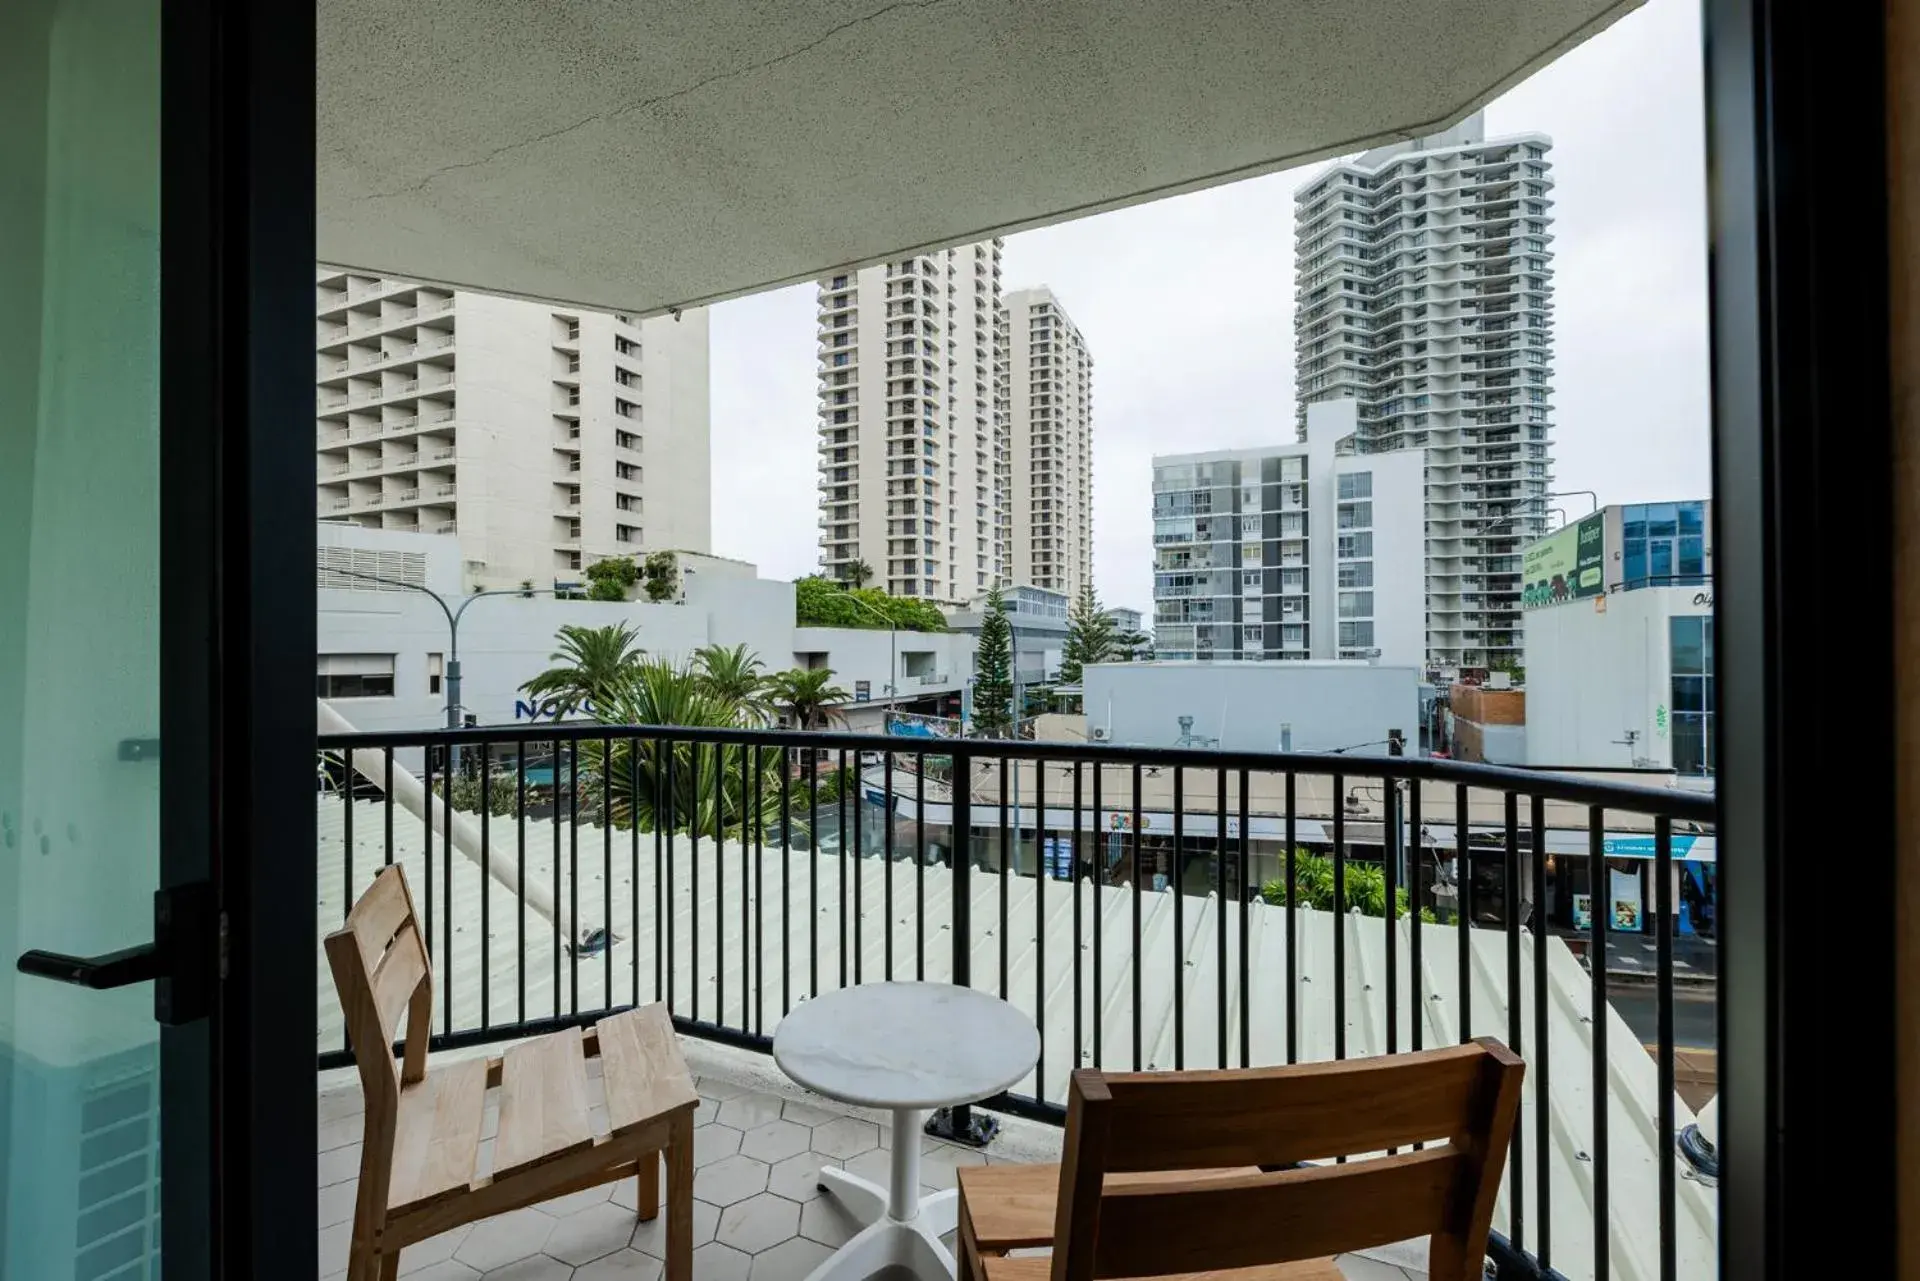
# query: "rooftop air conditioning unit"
(1100, 733)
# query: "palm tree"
(712, 789)
(806, 697)
(734, 675)
(591, 665)
(859, 573)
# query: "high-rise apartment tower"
(1050, 420)
(1424, 292)
(544, 437)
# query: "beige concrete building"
(545, 437)
(913, 447)
(1050, 422)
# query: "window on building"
(355, 676)
(1690, 654)
(1663, 544)
(1356, 604)
(1356, 635)
(1355, 515)
(839, 358)
(625, 408)
(1356, 573)
(626, 346)
(1353, 546)
(1356, 484)
(436, 666)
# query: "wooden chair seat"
(1037, 1267)
(419, 1168)
(1011, 1207)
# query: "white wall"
(1329, 705)
(1593, 674)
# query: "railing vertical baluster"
(660, 873)
(446, 892)
(693, 882)
(886, 859)
(1246, 960)
(1416, 973)
(1006, 866)
(387, 857)
(813, 871)
(1517, 1150)
(573, 873)
(633, 865)
(920, 867)
(960, 860)
(669, 818)
(486, 884)
(758, 794)
(786, 880)
(520, 872)
(1390, 874)
(1293, 936)
(1179, 918)
(858, 874)
(1079, 998)
(426, 864)
(1663, 942)
(1538, 1067)
(1220, 916)
(1099, 858)
(749, 864)
(1040, 922)
(1463, 907)
(1339, 917)
(606, 872)
(346, 860)
(1597, 964)
(840, 805)
(1134, 879)
(720, 884)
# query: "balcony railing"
(1133, 901)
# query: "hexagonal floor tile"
(826, 1221)
(792, 1260)
(730, 1179)
(750, 1110)
(716, 1262)
(624, 1265)
(444, 1270)
(712, 1142)
(433, 1250)
(798, 1177)
(503, 1239)
(875, 1167)
(715, 1087)
(651, 1237)
(770, 1142)
(537, 1268)
(561, 1207)
(845, 1137)
(758, 1223)
(589, 1234)
(939, 1162)
(807, 1113)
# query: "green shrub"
(1366, 887)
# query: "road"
(1694, 1014)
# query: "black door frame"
(1804, 630)
(237, 629)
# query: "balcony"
(1262, 983)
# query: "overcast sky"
(1187, 306)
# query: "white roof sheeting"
(1186, 960)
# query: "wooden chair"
(1173, 1174)
(417, 1165)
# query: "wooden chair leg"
(390, 1266)
(680, 1202)
(649, 1201)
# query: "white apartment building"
(544, 437)
(1424, 294)
(914, 455)
(1299, 551)
(1050, 421)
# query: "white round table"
(908, 1048)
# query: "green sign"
(1565, 566)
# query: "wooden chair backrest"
(380, 970)
(1458, 1102)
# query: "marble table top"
(906, 1045)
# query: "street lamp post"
(893, 629)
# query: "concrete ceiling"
(637, 156)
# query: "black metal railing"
(1134, 901)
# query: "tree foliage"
(612, 578)
(1132, 647)
(1089, 637)
(1366, 887)
(735, 676)
(993, 673)
(590, 663)
(827, 602)
(806, 697)
(661, 571)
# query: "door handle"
(179, 962)
(114, 969)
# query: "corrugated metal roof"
(1048, 939)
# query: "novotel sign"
(546, 710)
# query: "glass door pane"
(79, 629)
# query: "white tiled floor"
(758, 1212)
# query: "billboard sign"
(1568, 565)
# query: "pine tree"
(1089, 637)
(993, 675)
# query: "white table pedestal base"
(902, 1228)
